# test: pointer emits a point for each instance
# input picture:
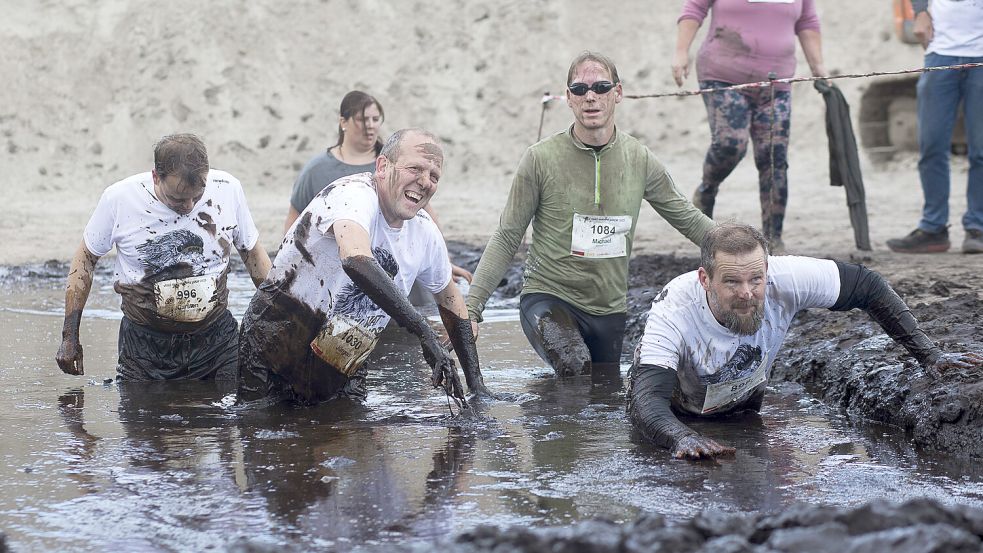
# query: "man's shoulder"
(680, 294)
(359, 187)
(217, 177)
(129, 185)
(633, 145)
(790, 266)
(424, 223)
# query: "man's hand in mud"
(961, 361)
(444, 370)
(696, 447)
(69, 357)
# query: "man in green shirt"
(582, 190)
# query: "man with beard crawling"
(344, 269)
(174, 229)
(712, 334)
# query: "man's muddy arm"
(649, 398)
(454, 314)
(523, 200)
(865, 289)
(69, 356)
(358, 263)
(257, 263)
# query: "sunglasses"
(600, 87)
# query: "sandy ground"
(90, 86)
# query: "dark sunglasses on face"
(600, 87)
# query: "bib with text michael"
(186, 300)
(600, 236)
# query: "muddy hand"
(69, 357)
(955, 361)
(700, 447)
(445, 375)
(444, 371)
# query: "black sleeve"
(865, 289)
(370, 277)
(649, 394)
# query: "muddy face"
(179, 196)
(736, 290)
(408, 183)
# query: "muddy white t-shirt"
(171, 268)
(308, 266)
(717, 368)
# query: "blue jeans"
(939, 95)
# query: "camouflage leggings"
(735, 115)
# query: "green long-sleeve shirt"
(559, 180)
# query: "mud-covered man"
(174, 229)
(344, 269)
(712, 334)
(582, 190)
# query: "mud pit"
(89, 466)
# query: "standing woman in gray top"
(359, 120)
(359, 144)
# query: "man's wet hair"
(355, 103)
(183, 155)
(391, 148)
(607, 62)
(730, 238)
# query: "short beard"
(742, 325)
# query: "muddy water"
(94, 466)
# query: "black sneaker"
(919, 241)
(973, 243)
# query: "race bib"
(724, 393)
(186, 299)
(600, 236)
(344, 344)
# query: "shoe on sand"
(973, 243)
(920, 241)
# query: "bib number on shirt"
(600, 236)
(724, 393)
(186, 299)
(343, 344)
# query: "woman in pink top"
(747, 40)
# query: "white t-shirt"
(308, 266)
(717, 368)
(958, 27)
(168, 254)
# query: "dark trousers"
(570, 340)
(148, 354)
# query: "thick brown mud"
(850, 363)
(847, 361)
(917, 526)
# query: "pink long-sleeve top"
(747, 39)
